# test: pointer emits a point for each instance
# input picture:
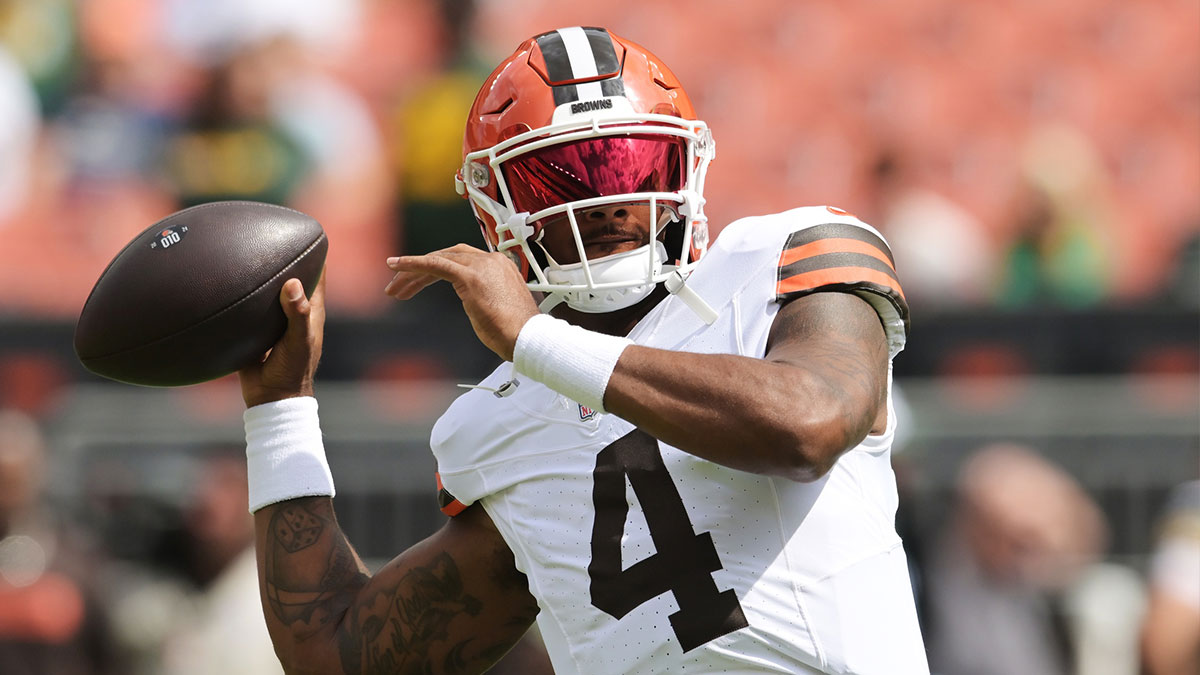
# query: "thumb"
(295, 305)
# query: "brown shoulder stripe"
(839, 231)
(826, 261)
(832, 245)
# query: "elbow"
(810, 448)
(807, 462)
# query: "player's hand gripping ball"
(196, 295)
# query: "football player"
(684, 464)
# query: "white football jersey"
(646, 559)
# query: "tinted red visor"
(596, 167)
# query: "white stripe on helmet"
(583, 62)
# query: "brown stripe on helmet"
(554, 54)
(565, 93)
(613, 86)
(603, 51)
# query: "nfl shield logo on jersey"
(585, 413)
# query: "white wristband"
(576, 363)
(285, 457)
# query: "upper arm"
(843, 316)
(453, 603)
(838, 339)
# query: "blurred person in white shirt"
(1017, 584)
(1171, 630)
(220, 629)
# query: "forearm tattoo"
(312, 577)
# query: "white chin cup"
(629, 268)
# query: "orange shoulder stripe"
(835, 275)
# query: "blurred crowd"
(1018, 579)
(1015, 152)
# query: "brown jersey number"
(683, 561)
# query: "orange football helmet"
(581, 119)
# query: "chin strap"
(548, 303)
(677, 285)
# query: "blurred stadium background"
(1035, 164)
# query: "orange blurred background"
(1090, 108)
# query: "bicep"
(839, 339)
(454, 603)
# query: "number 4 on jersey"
(683, 562)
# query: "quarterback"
(683, 465)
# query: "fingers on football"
(305, 317)
(291, 297)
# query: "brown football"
(196, 295)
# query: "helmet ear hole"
(665, 108)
